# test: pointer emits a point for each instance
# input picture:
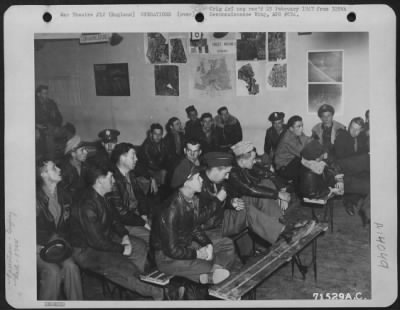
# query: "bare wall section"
(67, 68)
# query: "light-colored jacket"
(289, 147)
(317, 131)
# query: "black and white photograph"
(251, 46)
(166, 79)
(112, 79)
(178, 168)
(277, 46)
(157, 48)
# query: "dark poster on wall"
(166, 80)
(112, 79)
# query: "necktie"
(355, 145)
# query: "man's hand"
(125, 240)
(284, 199)
(238, 204)
(221, 195)
(153, 186)
(147, 224)
(202, 253)
(210, 251)
(127, 249)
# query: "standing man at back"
(48, 121)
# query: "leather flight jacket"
(178, 224)
(152, 155)
(118, 199)
(99, 223)
(242, 183)
(46, 228)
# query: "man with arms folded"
(53, 215)
(107, 247)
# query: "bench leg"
(250, 295)
(314, 258)
(330, 203)
(302, 268)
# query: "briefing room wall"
(134, 114)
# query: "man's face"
(156, 135)
(129, 159)
(109, 146)
(207, 123)
(177, 126)
(327, 118)
(192, 115)
(43, 94)
(355, 129)
(224, 115)
(51, 172)
(107, 182)
(219, 174)
(80, 154)
(192, 152)
(278, 125)
(297, 128)
(195, 183)
(249, 162)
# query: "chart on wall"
(112, 79)
(178, 48)
(325, 80)
(166, 79)
(276, 69)
(156, 47)
(248, 76)
(211, 76)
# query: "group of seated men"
(108, 214)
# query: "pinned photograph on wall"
(251, 46)
(156, 47)
(112, 79)
(319, 94)
(248, 75)
(277, 46)
(178, 50)
(212, 76)
(166, 80)
(325, 66)
(277, 76)
(198, 43)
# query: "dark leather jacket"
(99, 223)
(242, 183)
(209, 201)
(316, 186)
(228, 133)
(118, 199)
(192, 129)
(100, 157)
(209, 144)
(174, 155)
(178, 225)
(46, 227)
(153, 156)
(73, 182)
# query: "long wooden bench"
(257, 269)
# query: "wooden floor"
(343, 263)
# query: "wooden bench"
(243, 283)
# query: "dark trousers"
(261, 215)
(51, 276)
(123, 270)
(224, 256)
(291, 171)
